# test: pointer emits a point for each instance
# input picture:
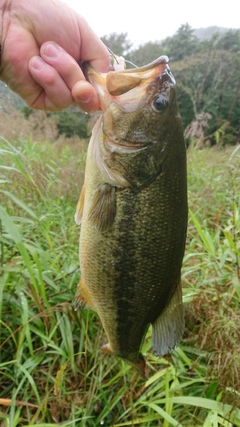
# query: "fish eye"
(159, 103)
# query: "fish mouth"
(116, 83)
(163, 59)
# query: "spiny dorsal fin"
(80, 205)
(103, 209)
(169, 326)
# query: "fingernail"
(85, 103)
(51, 50)
(36, 62)
(84, 98)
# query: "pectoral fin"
(169, 326)
(103, 209)
(83, 298)
(80, 205)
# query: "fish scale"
(133, 212)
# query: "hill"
(206, 33)
(7, 95)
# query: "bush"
(72, 123)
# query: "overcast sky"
(151, 20)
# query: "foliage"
(230, 41)
(207, 74)
(207, 71)
(197, 128)
(182, 44)
(72, 122)
(69, 123)
(117, 43)
(145, 53)
(50, 366)
(27, 123)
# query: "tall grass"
(51, 369)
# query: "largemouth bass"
(133, 212)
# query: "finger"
(93, 50)
(83, 92)
(53, 94)
(66, 66)
(85, 96)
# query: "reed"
(51, 369)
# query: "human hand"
(43, 44)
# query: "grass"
(51, 370)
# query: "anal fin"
(169, 326)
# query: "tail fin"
(169, 326)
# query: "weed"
(50, 366)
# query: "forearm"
(5, 25)
(4, 22)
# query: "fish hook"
(119, 60)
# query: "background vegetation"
(206, 66)
(51, 370)
(207, 71)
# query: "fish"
(133, 212)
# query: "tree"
(145, 53)
(203, 77)
(117, 43)
(211, 82)
(230, 41)
(182, 44)
(72, 122)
